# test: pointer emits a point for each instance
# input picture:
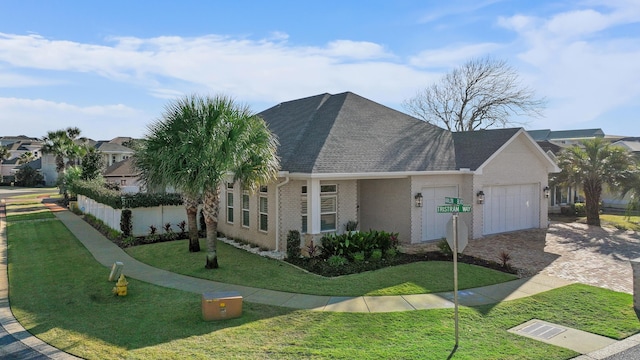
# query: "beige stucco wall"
(519, 163)
(289, 211)
(385, 204)
(252, 234)
(462, 182)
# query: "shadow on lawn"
(132, 322)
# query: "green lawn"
(60, 294)
(243, 268)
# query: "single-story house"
(344, 157)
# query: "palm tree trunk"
(210, 210)
(592, 192)
(191, 206)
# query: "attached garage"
(511, 207)
(434, 225)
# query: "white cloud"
(452, 56)
(263, 70)
(37, 116)
(583, 71)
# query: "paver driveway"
(571, 251)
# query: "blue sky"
(110, 67)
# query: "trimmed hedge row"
(113, 198)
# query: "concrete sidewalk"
(107, 253)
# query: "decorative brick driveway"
(571, 251)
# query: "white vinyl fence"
(142, 218)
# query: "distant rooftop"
(547, 134)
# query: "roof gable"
(474, 148)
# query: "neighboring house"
(124, 174)
(112, 152)
(552, 142)
(565, 137)
(344, 157)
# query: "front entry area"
(434, 225)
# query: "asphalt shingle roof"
(346, 133)
(473, 148)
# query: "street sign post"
(455, 206)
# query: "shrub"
(505, 257)
(168, 232)
(351, 225)
(313, 250)
(444, 248)
(337, 261)
(28, 176)
(349, 244)
(129, 241)
(126, 225)
(183, 227)
(580, 209)
(391, 253)
(293, 244)
(376, 255)
(358, 257)
(153, 235)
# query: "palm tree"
(592, 165)
(26, 157)
(61, 144)
(202, 139)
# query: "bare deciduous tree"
(480, 94)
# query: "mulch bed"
(321, 267)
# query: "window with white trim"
(263, 210)
(328, 208)
(245, 209)
(230, 203)
(303, 211)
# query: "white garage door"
(511, 207)
(434, 225)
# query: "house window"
(123, 182)
(303, 203)
(328, 207)
(230, 203)
(113, 159)
(245, 209)
(263, 210)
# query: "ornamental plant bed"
(321, 266)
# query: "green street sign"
(452, 200)
(459, 208)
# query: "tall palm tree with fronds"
(62, 144)
(592, 164)
(203, 139)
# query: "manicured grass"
(621, 222)
(243, 268)
(27, 209)
(60, 294)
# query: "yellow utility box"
(221, 305)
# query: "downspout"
(285, 182)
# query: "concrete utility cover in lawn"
(463, 234)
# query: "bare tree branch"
(480, 94)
